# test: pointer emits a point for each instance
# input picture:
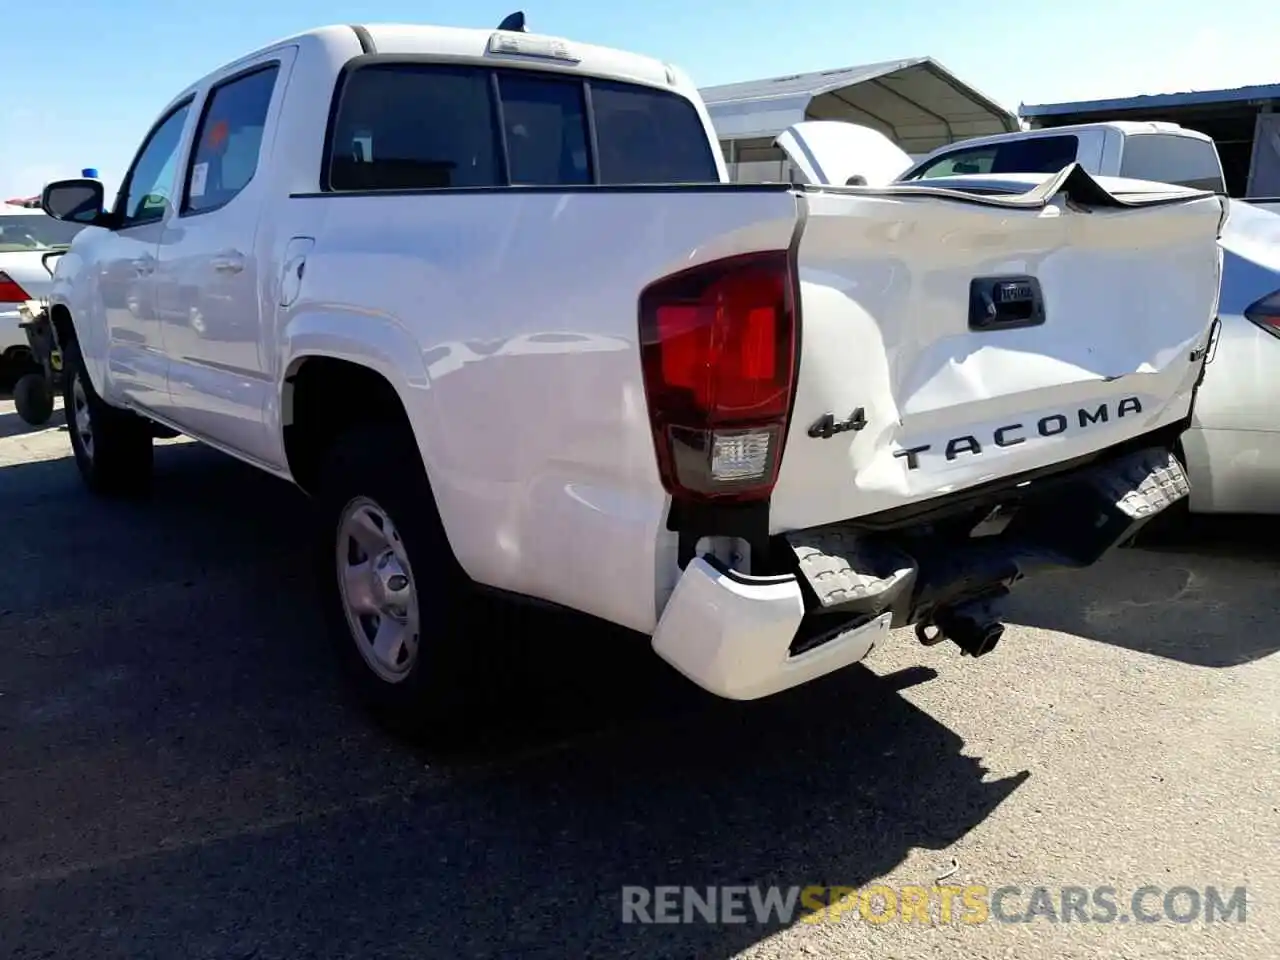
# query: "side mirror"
(74, 201)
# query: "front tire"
(112, 447)
(397, 604)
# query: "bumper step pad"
(1144, 483)
(847, 574)
(1071, 523)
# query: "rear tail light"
(1266, 313)
(718, 348)
(10, 290)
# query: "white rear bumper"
(731, 634)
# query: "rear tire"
(112, 447)
(33, 399)
(397, 604)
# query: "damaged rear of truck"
(969, 392)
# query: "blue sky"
(110, 65)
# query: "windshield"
(26, 232)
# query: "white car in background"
(26, 235)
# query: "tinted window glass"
(421, 126)
(409, 126)
(1167, 158)
(546, 130)
(35, 233)
(1031, 155)
(229, 139)
(151, 183)
(649, 136)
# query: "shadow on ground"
(1201, 590)
(12, 425)
(183, 777)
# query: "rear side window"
(1029, 155)
(402, 126)
(649, 136)
(1168, 158)
(412, 127)
(229, 140)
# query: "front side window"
(959, 164)
(228, 140)
(149, 189)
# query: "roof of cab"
(460, 42)
(399, 38)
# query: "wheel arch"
(322, 396)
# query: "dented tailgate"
(949, 339)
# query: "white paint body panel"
(1232, 449)
(831, 151)
(731, 636)
(884, 286)
(520, 372)
(506, 321)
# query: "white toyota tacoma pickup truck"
(486, 297)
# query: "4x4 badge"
(827, 426)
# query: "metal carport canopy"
(916, 102)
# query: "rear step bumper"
(744, 637)
(731, 634)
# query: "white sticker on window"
(199, 173)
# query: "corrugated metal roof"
(1153, 101)
(915, 101)
(818, 82)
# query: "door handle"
(232, 261)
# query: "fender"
(378, 342)
(75, 290)
(383, 345)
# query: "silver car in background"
(1233, 447)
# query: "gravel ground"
(181, 777)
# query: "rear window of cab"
(411, 126)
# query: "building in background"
(1243, 122)
(917, 103)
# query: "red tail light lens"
(10, 290)
(718, 348)
(1266, 313)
